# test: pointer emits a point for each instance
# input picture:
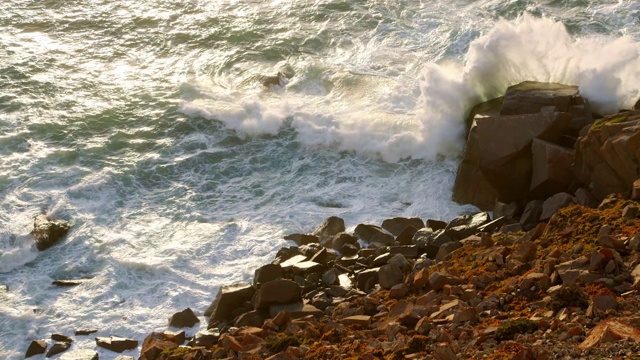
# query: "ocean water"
(148, 126)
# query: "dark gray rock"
(252, 318)
(81, 332)
(69, 283)
(390, 275)
(47, 232)
(431, 241)
(373, 234)
(366, 279)
(531, 215)
(184, 318)
(116, 344)
(296, 310)
(229, 298)
(509, 211)
(408, 251)
(406, 236)
(555, 203)
(61, 338)
(532, 97)
(466, 225)
(340, 240)
(281, 291)
(396, 225)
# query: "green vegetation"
(510, 329)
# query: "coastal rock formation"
(47, 232)
(184, 318)
(608, 157)
(522, 153)
(35, 348)
(229, 297)
(116, 344)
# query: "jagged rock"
(400, 261)
(303, 239)
(551, 169)
(396, 225)
(350, 249)
(438, 280)
(405, 237)
(610, 331)
(509, 211)
(436, 225)
(373, 234)
(58, 348)
(47, 232)
(532, 97)
(466, 225)
(398, 291)
(606, 157)
(390, 275)
(229, 298)
(367, 278)
(116, 344)
(330, 277)
(154, 344)
(340, 240)
(531, 215)
(36, 347)
(286, 253)
(585, 198)
(267, 273)
(555, 203)
(431, 241)
(331, 226)
(280, 291)
(324, 256)
(251, 318)
(184, 318)
(61, 338)
(82, 354)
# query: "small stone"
(398, 291)
(61, 338)
(81, 332)
(444, 351)
(359, 320)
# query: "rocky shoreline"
(553, 274)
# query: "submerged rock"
(116, 344)
(47, 232)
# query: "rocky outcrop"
(608, 157)
(35, 348)
(229, 298)
(47, 232)
(523, 153)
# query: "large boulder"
(36, 347)
(532, 97)
(47, 232)
(229, 298)
(608, 157)
(280, 291)
(184, 318)
(551, 170)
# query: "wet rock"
(396, 225)
(116, 344)
(373, 234)
(555, 203)
(36, 347)
(280, 291)
(229, 298)
(69, 283)
(61, 338)
(47, 232)
(303, 239)
(531, 97)
(330, 227)
(82, 354)
(58, 348)
(466, 225)
(184, 318)
(81, 332)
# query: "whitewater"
(183, 140)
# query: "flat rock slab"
(83, 354)
(610, 331)
(116, 344)
(359, 320)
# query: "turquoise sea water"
(148, 126)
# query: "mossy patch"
(510, 329)
(280, 342)
(568, 296)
